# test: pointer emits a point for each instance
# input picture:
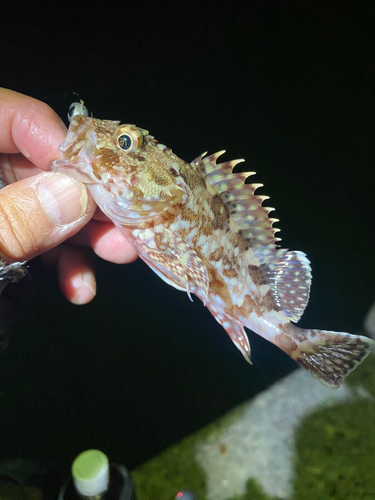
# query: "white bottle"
(93, 478)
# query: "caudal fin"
(330, 356)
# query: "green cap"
(90, 471)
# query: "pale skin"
(47, 213)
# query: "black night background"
(289, 86)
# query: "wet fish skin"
(205, 231)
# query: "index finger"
(30, 127)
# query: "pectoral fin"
(177, 263)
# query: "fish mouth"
(79, 149)
(79, 170)
(80, 139)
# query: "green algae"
(176, 469)
(254, 492)
(168, 473)
(334, 453)
(335, 447)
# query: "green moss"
(171, 471)
(254, 492)
(335, 447)
(176, 469)
(336, 454)
(363, 377)
(334, 460)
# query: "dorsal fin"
(288, 273)
(244, 206)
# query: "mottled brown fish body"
(202, 230)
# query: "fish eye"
(77, 108)
(128, 138)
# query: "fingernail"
(63, 198)
(85, 288)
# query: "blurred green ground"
(334, 455)
(334, 459)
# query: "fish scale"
(201, 229)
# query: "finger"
(40, 212)
(76, 270)
(107, 241)
(99, 215)
(16, 167)
(76, 274)
(30, 127)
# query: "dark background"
(287, 85)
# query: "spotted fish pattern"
(203, 230)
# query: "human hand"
(47, 213)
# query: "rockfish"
(204, 231)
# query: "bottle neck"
(121, 487)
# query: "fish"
(202, 229)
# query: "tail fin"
(330, 356)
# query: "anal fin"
(235, 331)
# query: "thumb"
(39, 212)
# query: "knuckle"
(17, 240)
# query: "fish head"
(129, 174)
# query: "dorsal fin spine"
(199, 159)
(242, 203)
